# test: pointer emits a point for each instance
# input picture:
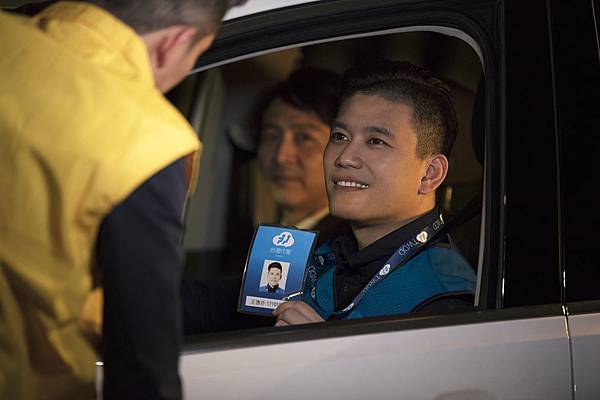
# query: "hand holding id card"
(275, 267)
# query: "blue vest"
(438, 270)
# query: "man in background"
(95, 168)
(291, 122)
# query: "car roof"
(255, 7)
(251, 6)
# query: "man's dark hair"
(32, 8)
(275, 265)
(150, 15)
(314, 90)
(433, 116)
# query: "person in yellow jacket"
(94, 175)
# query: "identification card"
(275, 267)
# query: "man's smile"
(346, 183)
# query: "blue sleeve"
(141, 261)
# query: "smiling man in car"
(95, 169)
(387, 154)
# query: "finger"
(284, 306)
(309, 312)
(281, 322)
(293, 317)
(299, 306)
(296, 304)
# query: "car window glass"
(233, 196)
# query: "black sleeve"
(141, 259)
(458, 303)
(212, 306)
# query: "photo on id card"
(275, 267)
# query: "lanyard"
(398, 258)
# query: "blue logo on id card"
(285, 239)
(275, 267)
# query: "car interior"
(231, 196)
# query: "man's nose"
(286, 151)
(349, 156)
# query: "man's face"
(372, 171)
(274, 277)
(290, 154)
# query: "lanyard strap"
(398, 258)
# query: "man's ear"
(173, 52)
(170, 43)
(435, 173)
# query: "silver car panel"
(585, 344)
(514, 359)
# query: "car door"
(515, 344)
(576, 59)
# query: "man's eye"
(338, 137)
(376, 141)
(302, 137)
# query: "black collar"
(356, 268)
(346, 247)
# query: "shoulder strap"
(465, 214)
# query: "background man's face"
(372, 171)
(290, 154)
(274, 277)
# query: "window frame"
(484, 21)
(302, 25)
